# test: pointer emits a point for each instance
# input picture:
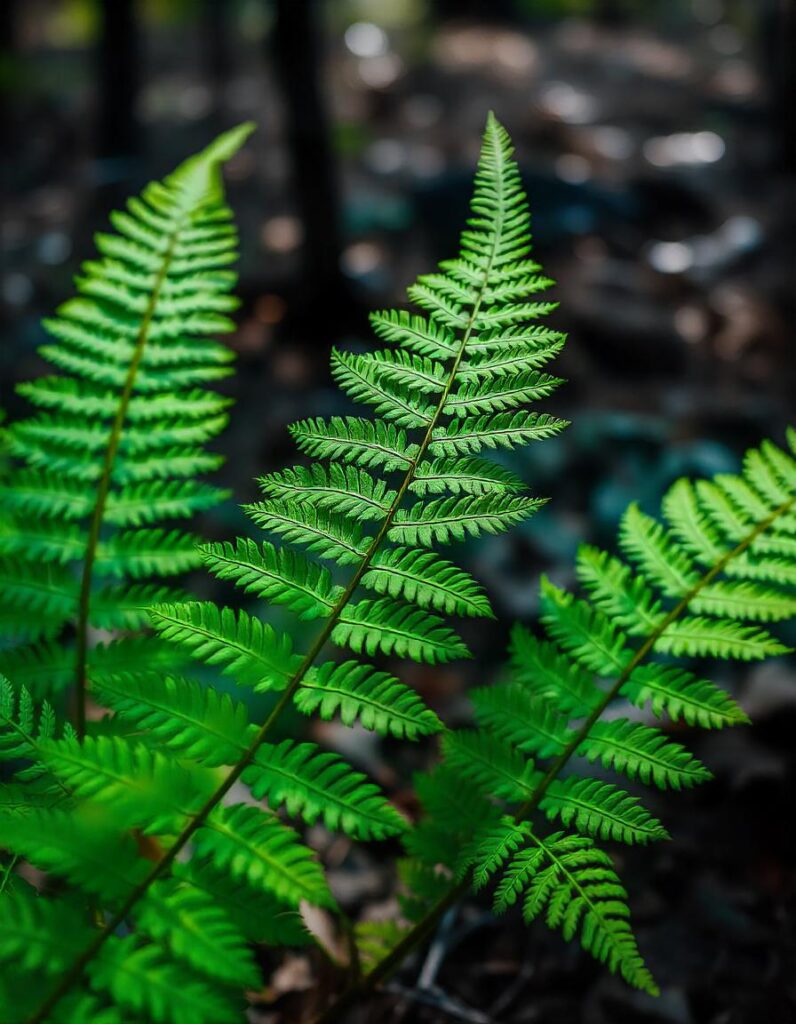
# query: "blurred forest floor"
(657, 152)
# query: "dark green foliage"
(698, 583)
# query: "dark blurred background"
(657, 142)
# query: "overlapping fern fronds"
(113, 454)
(698, 582)
(350, 544)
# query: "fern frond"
(198, 932)
(443, 520)
(467, 475)
(545, 671)
(145, 980)
(680, 694)
(39, 934)
(699, 584)
(192, 720)
(317, 784)
(342, 489)
(116, 440)
(643, 753)
(257, 913)
(368, 443)
(84, 845)
(241, 645)
(145, 788)
(23, 726)
(474, 434)
(601, 809)
(457, 382)
(490, 763)
(254, 847)
(389, 626)
(324, 533)
(276, 574)
(360, 693)
(426, 580)
(575, 886)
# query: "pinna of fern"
(510, 803)
(113, 454)
(381, 495)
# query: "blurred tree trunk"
(482, 10)
(298, 58)
(216, 56)
(778, 39)
(8, 54)
(117, 58)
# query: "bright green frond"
(246, 648)
(315, 784)
(145, 980)
(198, 932)
(601, 809)
(360, 693)
(252, 846)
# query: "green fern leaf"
(468, 475)
(642, 753)
(192, 720)
(445, 519)
(489, 849)
(490, 763)
(589, 635)
(547, 673)
(426, 580)
(242, 646)
(198, 932)
(84, 845)
(695, 636)
(257, 914)
(342, 489)
(360, 693)
(391, 627)
(317, 785)
(275, 574)
(601, 809)
(509, 430)
(324, 533)
(528, 722)
(145, 788)
(368, 443)
(575, 885)
(116, 438)
(39, 934)
(254, 847)
(143, 979)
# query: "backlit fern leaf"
(116, 443)
(382, 490)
